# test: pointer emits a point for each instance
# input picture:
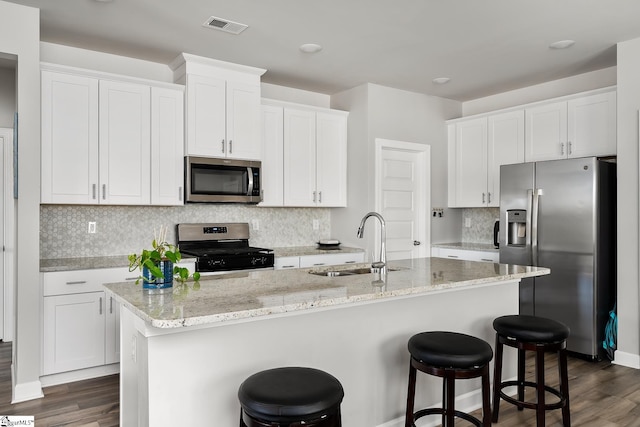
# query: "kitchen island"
(184, 353)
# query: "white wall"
(570, 85)
(628, 105)
(7, 97)
(20, 36)
(383, 112)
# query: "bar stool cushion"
(290, 393)
(450, 350)
(531, 328)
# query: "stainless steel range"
(222, 247)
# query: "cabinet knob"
(416, 243)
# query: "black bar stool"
(539, 334)
(290, 396)
(451, 356)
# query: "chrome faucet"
(381, 265)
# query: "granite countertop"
(256, 294)
(90, 263)
(488, 247)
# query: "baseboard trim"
(79, 375)
(25, 391)
(629, 360)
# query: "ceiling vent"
(225, 25)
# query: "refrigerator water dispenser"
(516, 227)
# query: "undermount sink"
(350, 272)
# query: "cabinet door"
(74, 332)
(592, 125)
(206, 116)
(125, 143)
(167, 146)
(331, 159)
(471, 163)
(546, 132)
(243, 121)
(288, 262)
(505, 146)
(69, 139)
(299, 158)
(272, 156)
(112, 331)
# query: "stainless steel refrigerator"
(561, 214)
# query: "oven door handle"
(250, 177)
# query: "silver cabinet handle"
(288, 266)
(110, 305)
(230, 146)
(486, 259)
(489, 199)
(77, 282)
(126, 279)
(319, 263)
(562, 148)
(93, 191)
(180, 193)
(100, 306)
(483, 198)
(104, 191)
(314, 197)
(569, 145)
(320, 197)
(222, 142)
(452, 256)
(416, 243)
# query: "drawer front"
(485, 256)
(287, 262)
(331, 259)
(81, 281)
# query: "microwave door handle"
(250, 186)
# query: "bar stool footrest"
(440, 411)
(531, 405)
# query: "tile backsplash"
(481, 222)
(121, 230)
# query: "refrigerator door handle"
(535, 207)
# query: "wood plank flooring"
(602, 395)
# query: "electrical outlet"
(467, 222)
(134, 343)
(91, 229)
(255, 224)
(316, 224)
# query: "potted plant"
(158, 265)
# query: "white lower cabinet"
(305, 261)
(81, 325)
(467, 255)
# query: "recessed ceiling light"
(310, 48)
(562, 44)
(441, 80)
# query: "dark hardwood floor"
(602, 395)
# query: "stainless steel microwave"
(215, 180)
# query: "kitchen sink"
(349, 272)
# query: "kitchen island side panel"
(185, 377)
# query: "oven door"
(222, 180)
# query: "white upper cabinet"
(125, 143)
(305, 155)
(167, 146)
(222, 107)
(578, 127)
(69, 139)
(479, 146)
(97, 136)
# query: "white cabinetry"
(222, 107)
(577, 127)
(282, 263)
(305, 162)
(477, 149)
(80, 324)
(464, 254)
(97, 134)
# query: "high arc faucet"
(382, 263)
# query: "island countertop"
(236, 296)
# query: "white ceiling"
(484, 46)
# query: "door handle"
(416, 243)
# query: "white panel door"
(546, 132)
(167, 146)
(592, 125)
(299, 158)
(471, 163)
(331, 159)
(403, 197)
(505, 146)
(272, 156)
(243, 121)
(69, 139)
(125, 143)
(206, 116)
(73, 332)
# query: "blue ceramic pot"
(151, 282)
